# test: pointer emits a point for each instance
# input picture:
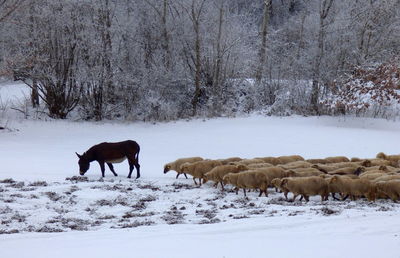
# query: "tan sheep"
(389, 188)
(199, 168)
(231, 179)
(259, 165)
(248, 161)
(273, 172)
(387, 177)
(371, 176)
(217, 174)
(317, 161)
(176, 165)
(277, 183)
(375, 168)
(355, 159)
(375, 171)
(304, 172)
(227, 161)
(252, 180)
(271, 160)
(354, 188)
(288, 159)
(325, 167)
(333, 166)
(347, 171)
(393, 159)
(337, 159)
(296, 164)
(375, 162)
(306, 186)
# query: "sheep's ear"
(79, 156)
(284, 181)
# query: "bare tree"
(324, 8)
(195, 12)
(7, 7)
(263, 47)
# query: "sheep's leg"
(237, 190)
(334, 197)
(244, 191)
(261, 192)
(285, 194)
(222, 185)
(307, 198)
(294, 197)
(215, 185)
(194, 179)
(344, 196)
(178, 174)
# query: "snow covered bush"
(373, 91)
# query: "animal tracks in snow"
(79, 203)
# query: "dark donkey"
(109, 153)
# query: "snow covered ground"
(50, 212)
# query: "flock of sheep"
(355, 178)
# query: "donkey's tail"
(137, 156)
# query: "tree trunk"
(165, 42)
(263, 47)
(325, 6)
(218, 62)
(35, 94)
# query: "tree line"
(171, 59)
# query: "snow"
(40, 155)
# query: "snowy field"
(46, 210)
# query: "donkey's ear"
(79, 156)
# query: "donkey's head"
(84, 163)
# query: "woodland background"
(161, 60)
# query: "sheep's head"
(206, 177)
(167, 168)
(276, 182)
(383, 168)
(381, 155)
(284, 181)
(226, 179)
(359, 170)
(333, 179)
(366, 163)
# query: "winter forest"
(161, 60)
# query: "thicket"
(171, 59)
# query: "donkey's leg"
(102, 168)
(133, 163)
(137, 166)
(130, 169)
(110, 165)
